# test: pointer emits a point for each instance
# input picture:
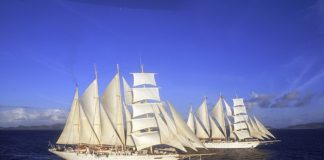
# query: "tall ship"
(134, 126)
(228, 127)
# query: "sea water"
(294, 145)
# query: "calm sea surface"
(295, 145)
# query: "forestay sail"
(90, 104)
(183, 128)
(231, 134)
(128, 96)
(203, 116)
(218, 114)
(109, 135)
(191, 121)
(71, 132)
(167, 136)
(128, 116)
(263, 128)
(112, 104)
(253, 131)
(172, 126)
(215, 132)
(228, 109)
(200, 131)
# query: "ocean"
(294, 145)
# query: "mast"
(129, 139)
(218, 114)
(71, 131)
(112, 104)
(230, 127)
(240, 117)
(90, 109)
(148, 127)
(145, 98)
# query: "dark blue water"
(295, 145)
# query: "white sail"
(240, 118)
(202, 114)
(144, 108)
(231, 134)
(143, 123)
(191, 121)
(112, 103)
(228, 109)
(141, 106)
(253, 131)
(167, 136)
(238, 102)
(128, 116)
(242, 134)
(200, 131)
(87, 133)
(218, 114)
(90, 104)
(172, 126)
(258, 129)
(183, 128)
(144, 79)
(70, 133)
(146, 139)
(263, 129)
(239, 126)
(140, 94)
(239, 110)
(216, 133)
(128, 96)
(109, 136)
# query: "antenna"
(117, 68)
(236, 95)
(142, 66)
(96, 73)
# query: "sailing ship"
(227, 128)
(103, 127)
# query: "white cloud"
(14, 116)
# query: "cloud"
(315, 78)
(289, 99)
(14, 116)
(259, 100)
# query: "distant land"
(40, 127)
(315, 125)
(60, 126)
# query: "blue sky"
(269, 52)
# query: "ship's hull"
(83, 156)
(215, 145)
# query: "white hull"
(82, 156)
(214, 145)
